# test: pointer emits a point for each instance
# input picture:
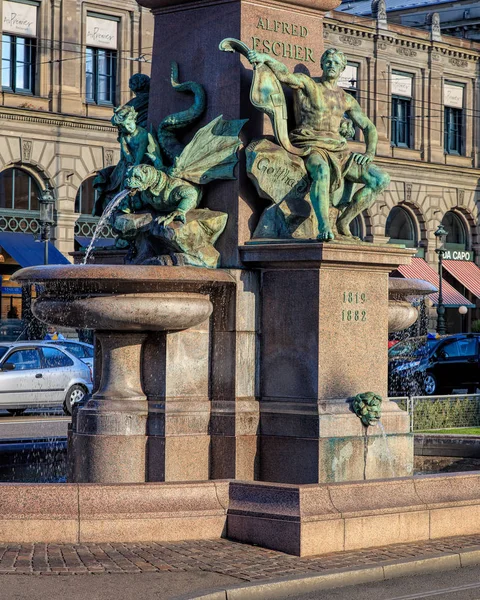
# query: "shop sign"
(102, 33)
(458, 255)
(402, 85)
(453, 95)
(19, 18)
(11, 290)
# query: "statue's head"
(125, 118)
(368, 407)
(145, 177)
(139, 83)
(333, 63)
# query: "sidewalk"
(191, 568)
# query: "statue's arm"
(279, 69)
(363, 122)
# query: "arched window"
(456, 230)
(400, 228)
(18, 190)
(357, 228)
(86, 196)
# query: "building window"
(400, 228)
(19, 30)
(349, 79)
(453, 130)
(457, 234)
(100, 75)
(18, 190)
(101, 58)
(86, 197)
(18, 64)
(356, 227)
(401, 108)
(453, 118)
(402, 86)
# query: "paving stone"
(248, 563)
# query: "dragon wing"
(212, 153)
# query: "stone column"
(113, 422)
(324, 323)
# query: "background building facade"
(423, 95)
(65, 65)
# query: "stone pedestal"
(189, 33)
(149, 416)
(324, 326)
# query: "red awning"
(465, 272)
(419, 269)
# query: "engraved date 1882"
(357, 301)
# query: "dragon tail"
(167, 140)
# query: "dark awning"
(99, 242)
(23, 248)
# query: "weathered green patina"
(367, 407)
(160, 220)
(133, 147)
(319, 137)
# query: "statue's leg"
(376, 181)
(319, 172)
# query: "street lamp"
(47, 203)
(441, 235)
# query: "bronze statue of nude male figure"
(320, 107)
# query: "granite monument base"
(324, 333)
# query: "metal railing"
(20, 221)
(441, 412)
(85, 226)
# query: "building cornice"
(56, 120)
(400, 36)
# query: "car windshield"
(3, 351)
(413, 348)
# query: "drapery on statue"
(160, 220)
(319, 137)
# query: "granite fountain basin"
(123, 297)
(401, 296)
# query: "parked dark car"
(439, 365)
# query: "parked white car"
(81, 350)
(36, 374)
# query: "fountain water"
(103, 221)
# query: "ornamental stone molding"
(27, 146)
(108, 160)
(406, 51)
(458, 62)
(350, 40)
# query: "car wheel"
(16, 412)
(74, 395)
(430, 385)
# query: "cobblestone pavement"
(248, 563)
